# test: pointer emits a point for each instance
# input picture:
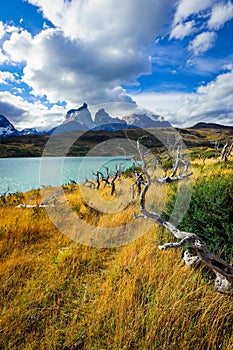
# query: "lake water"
(24, 174)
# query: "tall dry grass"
(58, 294)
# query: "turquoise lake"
(24, 174)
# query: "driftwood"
(33, 206)
(44, 204)
(223, 270)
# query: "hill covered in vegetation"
(33, 145)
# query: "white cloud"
(6, 29)
(96, 47)
(220, 15)
(107, 21)
(182, 30)
(18, 45)
(6, 76)
(24, 114)
(212, 102)
(164, 104)
(202, 43)
(186, 8)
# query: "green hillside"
(33, 145)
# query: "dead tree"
(97, 175)
(179, 170)
(223, 270)
(139, 181)
(230, 150)
(112, 183)
(89, 184)
(224, 153)
(73, 182)
(106, 179)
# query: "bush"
(210, 214)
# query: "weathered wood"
(224, 153)
(222, 269)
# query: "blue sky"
(174, 57)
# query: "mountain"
(203, 125)
(81, 116)
(103, 121)
(28, 131)
(81, 119)
(76, 119)
(6, 128)
(143, 121)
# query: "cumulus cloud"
(6, 29)
(213, 101)
(6, 76)
(186, 8)
(95, 48)
(109, 22)
(202, 43)
(63, 70)
(220, 15)
(17, 47)
(25, 114)
(195, 17)
(163, 104)
(182, 30)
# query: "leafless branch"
(223, 270)
(224, 153)
(90, 184)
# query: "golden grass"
(56, 293)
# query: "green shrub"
(210, 214)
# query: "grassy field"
(58, 294)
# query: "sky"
(173, 57)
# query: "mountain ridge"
(81, 119)
(205, 125)
(7, 129)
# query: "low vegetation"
(202, 141)
(58, 294)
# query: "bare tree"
(139, 181)
(89, 184)
(112, 183)
(222, 269)
(224, 153)
(97, 175)
(179, 170)
(108, 179)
